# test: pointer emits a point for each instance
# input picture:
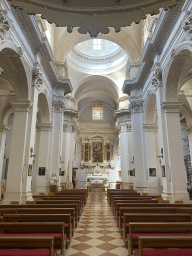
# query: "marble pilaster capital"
(136, 106)
(21, 106)
(171, 107)
(4, 128)
(44, 126)
(37, 78)
(128, 128)
(58, 106)
(150, 127)
(188, 129)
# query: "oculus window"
(97, 44)
(97, 113)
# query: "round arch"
(76, 90)
(150, 109)
(175, 75)
(44, 109)
(125, 41)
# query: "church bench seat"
(164, 245)
(27, 246)
(152, 217)
(64, 197)
(83, 192)
(156, 229)
(53, 229)
(115, 198)
(115, 208)
(65, 218)
(123, 210)
(49, 202)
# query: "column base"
(179, 196)
(11, 196)
(141, 189)
(27, 196)
(126, 185)
(154, 191)
(40, 189)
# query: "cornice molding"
(94, 16)
(154, 46)
(121, 112)
(40, 45)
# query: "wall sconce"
(31, 152)
(161, 156)
(132, 162)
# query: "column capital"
(136, 106)
(21, 106)
(150, 127)
(58, 106)
(44, 126)
(157, 80)
(171, 107)
(188, 129)
(4, 128)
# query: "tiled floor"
(97, 232)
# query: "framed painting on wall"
(97, 149)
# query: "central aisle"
(97, 232)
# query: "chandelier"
(93, 16)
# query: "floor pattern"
(97, 233)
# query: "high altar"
(97, 178)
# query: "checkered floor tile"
(97, 233)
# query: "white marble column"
(150, 131)
(136, 108)
(17, 167)
(3, 133)
(57, 133)
(42, 183)
(177, 172)
(30, 144)
(68, 143)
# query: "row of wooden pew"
(151, 226)
(43, 226)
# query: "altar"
(97, 178)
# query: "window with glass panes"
(97, 113)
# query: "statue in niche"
(97, 155)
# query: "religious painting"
(152, 172)
(86, 152)
(132, 172)
(97, 155)
(30, 170)
(163, 170)
(61, 173)
(42, 171)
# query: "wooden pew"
(123, 210)
(74, 192)
(26, 244)
(53, 206)
(64, 197)
(166, 243)
(49, 211)
(62, 202)
(120, 192)
(115, 198)
(152, 217)
(65, 218)
(156, 229)
(48, 229)
(117, 203)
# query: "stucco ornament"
(187, 26)
(136, 106)
(5, 23)
(58, 105)
(156, 79)
(94, 17)
(37, 78)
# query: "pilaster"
(17, 170)
(176, 169)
